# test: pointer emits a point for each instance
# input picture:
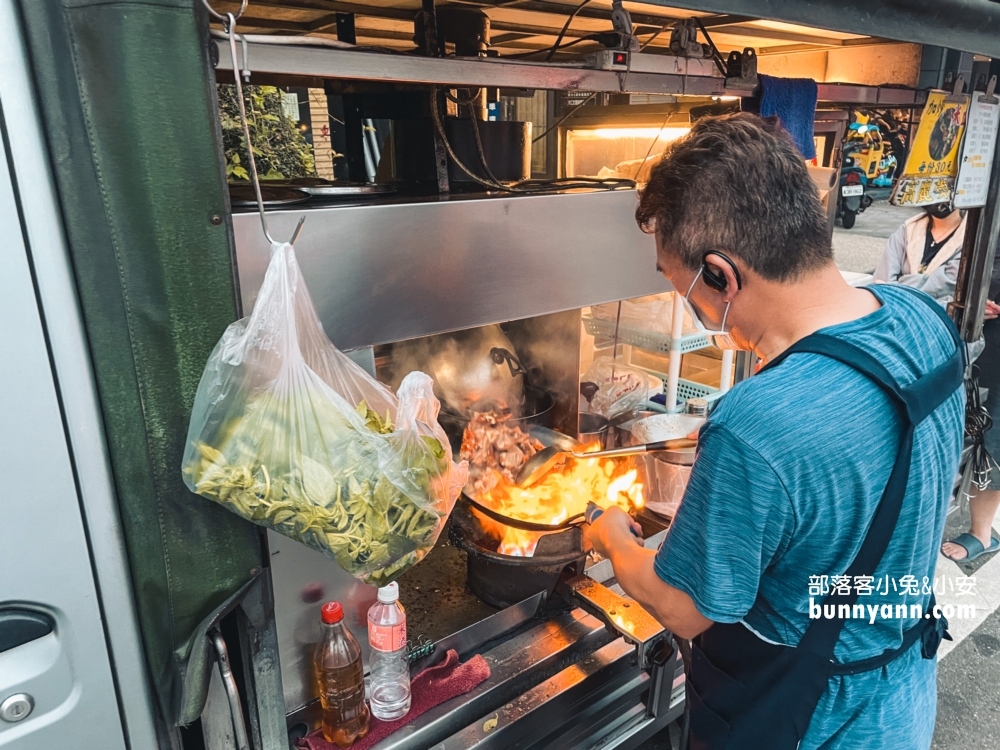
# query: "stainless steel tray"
(343, 190)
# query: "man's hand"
(992, 310)
(612, 528)
(611, 535)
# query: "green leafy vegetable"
(343, 504)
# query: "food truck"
(469, 214)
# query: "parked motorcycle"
(868, 161)
(852, 197)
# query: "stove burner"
(504, 580)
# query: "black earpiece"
(716, 279)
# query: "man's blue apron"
(746, 693)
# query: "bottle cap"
(332, 613)
(389, 594)
(696, 406)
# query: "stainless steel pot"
(664, 474)
(594, 427)
(474, 370)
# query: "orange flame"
(563, 492)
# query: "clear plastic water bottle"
(390, 669)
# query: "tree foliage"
(279, 147)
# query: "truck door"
(56, 683)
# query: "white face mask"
(722, 338)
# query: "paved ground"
(968, 697)
(858, 249)
(969, 682)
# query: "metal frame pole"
(353, 124)
(978, 254)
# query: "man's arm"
(722, 538)
(633, 564)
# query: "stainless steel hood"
(393, 271)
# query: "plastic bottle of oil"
(340, 679)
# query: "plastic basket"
(686, 389)
(652, 341)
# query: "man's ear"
(723, 267)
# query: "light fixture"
(662, 134)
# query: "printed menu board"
(973, 179)
(932, 164)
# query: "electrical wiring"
(565, 28)
(652, 145)
(439, 127)
(558, 43)
(523, 187)
(977, 424)
(468, 101)
(562, 119)
(653, 38)
(479, 147)
(552, 50)
(716, 55)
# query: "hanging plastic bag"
(291, 434)
(651, 313)
(614, 387)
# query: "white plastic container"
(389, 669)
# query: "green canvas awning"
(131, 130)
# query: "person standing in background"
(925, 252)
(979, 539)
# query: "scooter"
(852, 196)
(868, 161)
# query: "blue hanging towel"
(793, 102)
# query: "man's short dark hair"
(737, 184)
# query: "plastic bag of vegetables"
(291, 434)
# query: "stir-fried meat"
(512, 459)
(496, 449)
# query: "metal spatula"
(542, 462)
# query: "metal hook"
(246, 57)
(298, 228)
(991, 88)
(230, 24)
(222, 18)
(956, 93)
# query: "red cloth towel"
(430, 688)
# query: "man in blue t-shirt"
(793, 463)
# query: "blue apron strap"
(848, 354)
(918, 399)
(822, 634)
(915, 402)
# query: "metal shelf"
(692, 77)
(848, 93)
(327, 62)
(652, 341)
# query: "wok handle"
(594, 511)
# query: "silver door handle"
(235, 710)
